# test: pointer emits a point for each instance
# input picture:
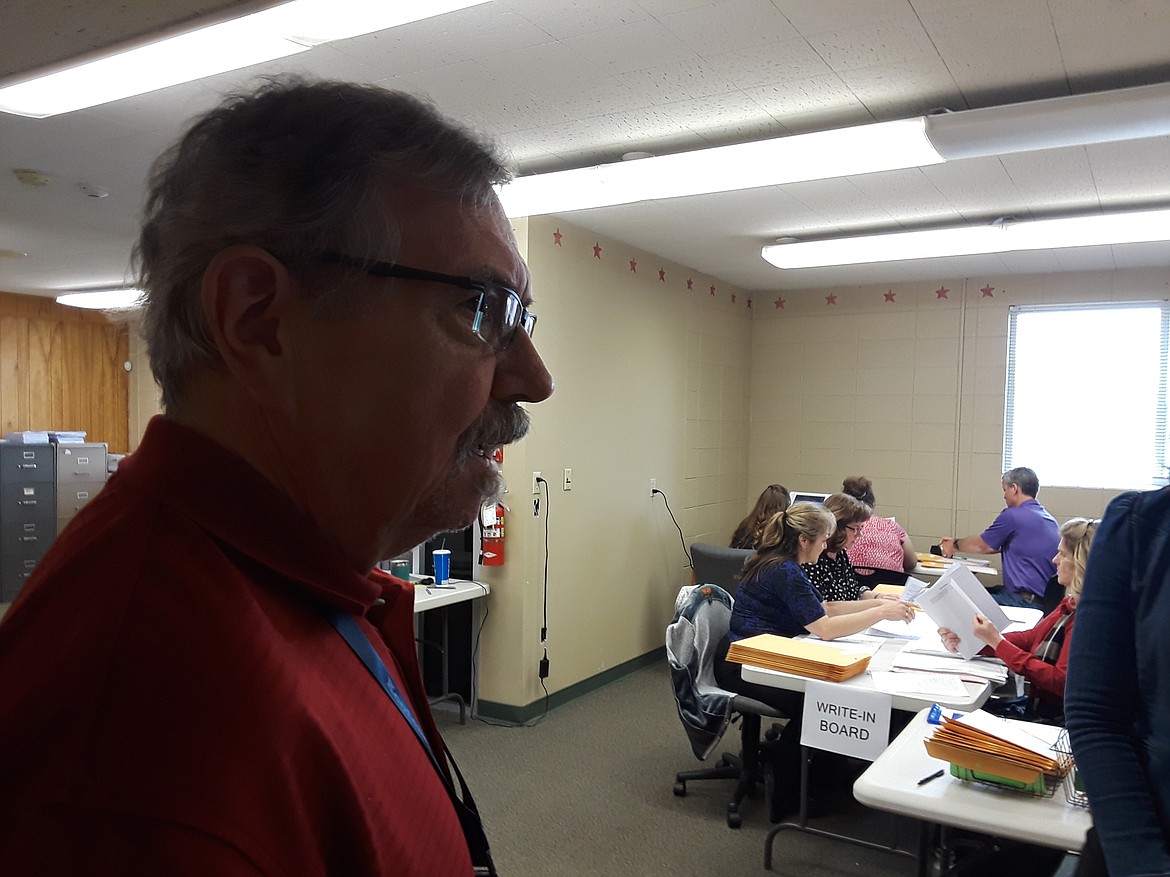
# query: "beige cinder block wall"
(906, 384)
(652, 383)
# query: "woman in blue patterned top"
(775, 596)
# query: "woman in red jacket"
(1040, 655)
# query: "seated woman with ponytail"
(776, 596)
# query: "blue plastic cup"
(442, 558)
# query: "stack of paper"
(954, 601)
(801, 657)
(1019, 751)
(67, 437)
(937, 560)
(991, 669)
(28, 437)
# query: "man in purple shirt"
(1024, 534)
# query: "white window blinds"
(1086, 394)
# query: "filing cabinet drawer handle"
(26, 466)
(29, 538)
(26, 502)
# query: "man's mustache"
(501, 426)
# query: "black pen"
(933, 776)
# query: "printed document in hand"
(953, 602)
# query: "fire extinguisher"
(492, 535)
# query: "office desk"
(426, 598)
(976, 696)
(430, 598)
(920, 571)
(890, 784)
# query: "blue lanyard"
(347, 626)
(465, 809)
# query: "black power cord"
(681, 538)
(542, 668)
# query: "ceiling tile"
(632, 47)
(811, 104)
(566, 19)
(906, 89)
(768, 64)
(874, 45)
(730, 26)
(1106, 35)
(816, 16)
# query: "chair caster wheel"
(680, 790)
(734, 820)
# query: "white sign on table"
(846, 719)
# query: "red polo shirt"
(174, 700)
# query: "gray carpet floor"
(588, 790)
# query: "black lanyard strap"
(465, 809)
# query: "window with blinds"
(1086, 394)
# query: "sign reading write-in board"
(846, 719)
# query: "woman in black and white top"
(833, 573)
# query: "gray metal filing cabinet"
(28, 516)
(81, 473)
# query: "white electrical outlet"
(535, 486)
(653, 485)
(567, 484)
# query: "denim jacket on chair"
(699, 624)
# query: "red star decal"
(633, 266)
(661, 275)
(690, 283)
(830, 299)
(597, 251)
(557, 237)
(712, 290)
(749, 303)
(987, 291)
(941, 292)
(733, 298)
(779, 303)
(889, 296)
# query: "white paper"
(913, 588)
(926, 684)
(993, 671)
(1032, 736)
(954, 600)
(920, 626)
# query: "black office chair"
(871, 578)
(715, 565)
(705, 615)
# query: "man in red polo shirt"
(206, 675)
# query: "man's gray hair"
(297, 168)
(1024, 478)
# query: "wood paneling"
(62, 368)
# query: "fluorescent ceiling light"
(273, 33)
(1003, 237)
(103, 299)
(1076, 120)
(858, 150)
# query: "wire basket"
(1073, 792)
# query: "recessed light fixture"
(277, 32)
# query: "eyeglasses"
(498, 311)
